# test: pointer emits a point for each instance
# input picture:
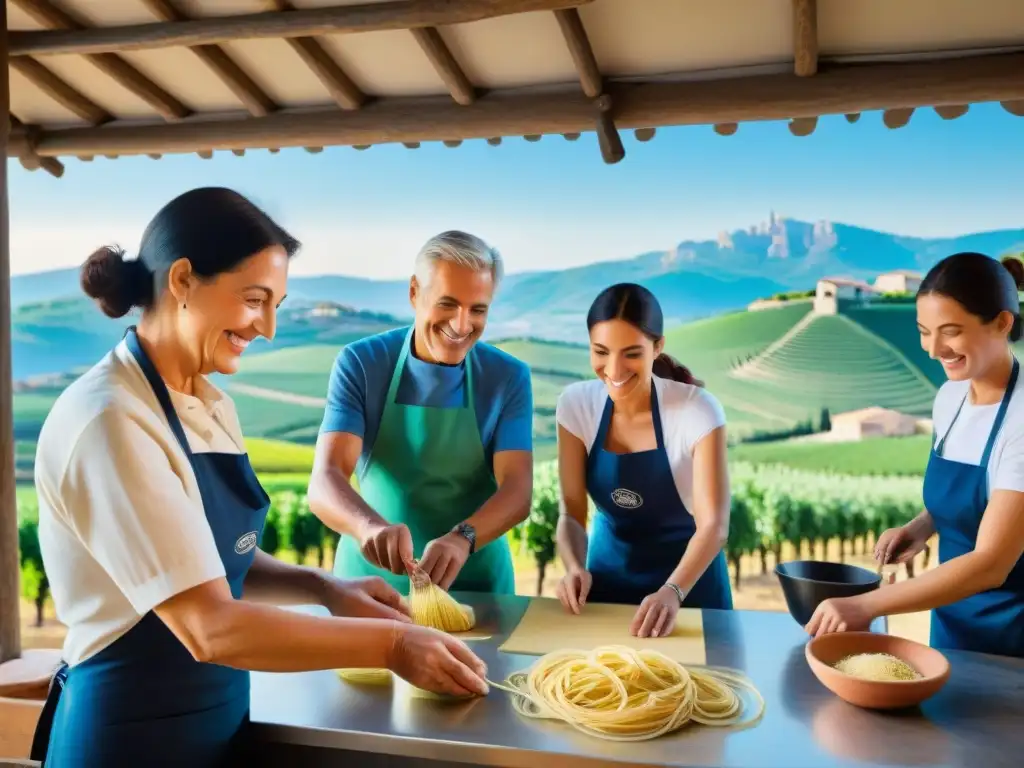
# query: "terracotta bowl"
(822, 652)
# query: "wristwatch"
(678, 590)
(468, 532)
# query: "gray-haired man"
(438, 427)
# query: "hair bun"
(1015, 267)
(115, 284)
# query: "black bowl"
(806, 583)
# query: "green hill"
(775, 368)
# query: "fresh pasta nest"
(622, 694)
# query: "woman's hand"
(656, 616)
(366, 598)
(437, 662)
(899, 545)
(839, 614)
(573, 588)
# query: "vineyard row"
(771, 506)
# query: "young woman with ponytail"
(969, 318)
(646, 442)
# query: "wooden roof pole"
(805, 37)
(116, 68)
(306, 22)
(582, 53)
(836, 90)
(342, 88)
(226, 69)
(10, 593)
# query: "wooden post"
(10, 598)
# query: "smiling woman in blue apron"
(437, 427)
(150, 516)
(645, 442)
(968, 314)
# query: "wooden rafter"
(805, 37)
(226, 69)
(342, 88)
(841, 89)
(571, 25)
(60, 91)
(307, 22)
(444, 63)
(30, 161)
(59, 22)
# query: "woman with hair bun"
(647, 444)
(150, 517)
(968, 315)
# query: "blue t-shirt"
(362, 374)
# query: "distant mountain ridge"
(692, 279)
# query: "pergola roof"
(127, 77)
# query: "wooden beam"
(341, 87)
(952, 111)
(61, 92)
(805, 37)
(576, 40)
(30, 161)
(846, 89)
(608, 137)
(10, 570)
(898, 117)
(803, 126)
(307, 22)
(582, 53)
(114, 66)
(226, 69)
(444, 63)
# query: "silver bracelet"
(678, 590)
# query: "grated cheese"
(876, 666)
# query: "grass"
(882, 456)
(276, 457)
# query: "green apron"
(428, 469)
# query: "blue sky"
(553, 203)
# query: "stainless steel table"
(977, 720)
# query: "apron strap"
(468, 397)
(1001, 414)
(606, 419)
(159, 389)
(41, 736)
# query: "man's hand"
(444, 557)
(366, 598)
(387, 546)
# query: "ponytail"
(667, 367)
(1015, 267)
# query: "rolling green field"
(887, 456)
(772, 369)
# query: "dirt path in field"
(276, 394)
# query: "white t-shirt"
(688, 413)
(966, 442)
(121, 523)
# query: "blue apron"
(642, 527)
(144, 700)
(955, 495)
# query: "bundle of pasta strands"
(430, 606)
(622, 694)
